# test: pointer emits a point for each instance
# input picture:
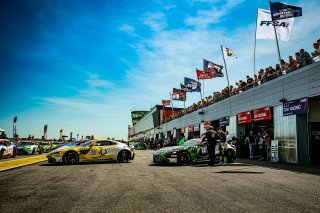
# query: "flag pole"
(184, 102)
(275, 32)
(254, 62)
(164, 114)
(171, 103)
(202, 92)
(225, 65)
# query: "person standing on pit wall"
(211, 138)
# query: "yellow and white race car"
(94, 150)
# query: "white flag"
(228, 53)
(265, 29)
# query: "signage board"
(244, 117)
(262, 114)
(196, 128)
(295, 107)
(190, 128)
(183, 129)
(224, 121)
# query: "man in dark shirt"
(211, 137)
(243, 85)
(249, 81)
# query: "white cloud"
(155, 20)
(95, 81)
(128, 29)
(214, 15)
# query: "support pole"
(225, 65)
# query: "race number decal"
(93, 151)
(103, 151)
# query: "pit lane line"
(6, 165)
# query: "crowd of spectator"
(301, 59)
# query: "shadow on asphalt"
(238, 172)
(164, 164)
(309, 169)
(82, 163)
(200, 164)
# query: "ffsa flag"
(215, 69)
(202, 75)
(228, 53)
(265, 29)
(185, 88)
(166, 102)
(178, 95)
(283, 11)
(194, 85)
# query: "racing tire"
(123, 157)
(183, 159)
(70, 158)
(230, 154)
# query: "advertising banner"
(295, 107)
(224, 121)
(178, 94)
(244, 117)
(190, 128)
(137, 115)
(265, 26)
(166, 102)
(201, 75)
(183, 129)
(194, 85)
(215, 69)
(315, 142)
(262, 114)
(196, 128)
(283, 11)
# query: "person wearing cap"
(211, 137)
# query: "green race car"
(193, 150)
(28, 147)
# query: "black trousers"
(212, 153)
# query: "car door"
(102, 150)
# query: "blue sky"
(81, 66)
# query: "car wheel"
(33, 151)
(14, 153)
(70, 158)
(230, 156)
(123, 157)
(184, 159)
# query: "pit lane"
(139, 186)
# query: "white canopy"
(2, 130)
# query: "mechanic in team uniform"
(211, 137)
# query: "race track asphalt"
(143, 187)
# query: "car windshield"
(86, 143)
(26, 143)
(192, 142)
